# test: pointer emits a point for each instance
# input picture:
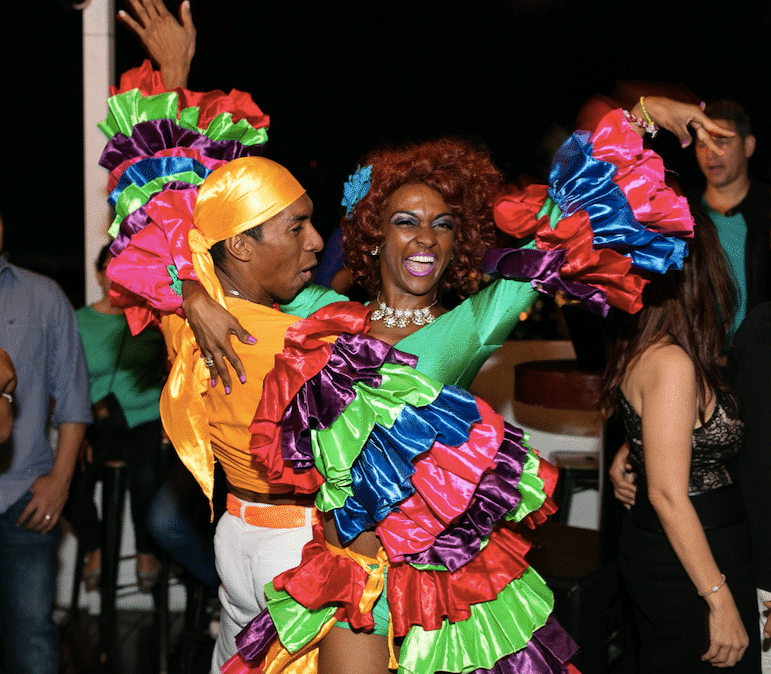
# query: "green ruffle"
(134, 196)
(130, 108)
(296, 624)
(337, 447)
(530, 486)
(494, 630)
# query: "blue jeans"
(28, 565)
(178, 519)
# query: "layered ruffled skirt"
(445, 483)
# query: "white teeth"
(421, 258)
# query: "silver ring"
(209, 362)
(47, 517)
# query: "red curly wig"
(467, 180)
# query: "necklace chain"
(401, 318)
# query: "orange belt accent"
(271, 517)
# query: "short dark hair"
(217, 251)
(101, 259)
(732, 112)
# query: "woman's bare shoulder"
(661, 365)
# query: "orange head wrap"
(244, 193)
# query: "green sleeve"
(310, 299)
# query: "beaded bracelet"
(651, 128)
(714, 589)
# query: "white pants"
(247, 558)
(765, 644)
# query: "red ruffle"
(323, 578)
(425, 598)
(415, 597)
(602, 268)
(210, 103)
(305, 354)
(139, 313)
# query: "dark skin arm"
(168, 41)
(213, 326)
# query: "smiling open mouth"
(420, 265)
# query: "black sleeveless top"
(715, 446)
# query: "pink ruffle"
(155, 248)
(640, 176)
(445, 480)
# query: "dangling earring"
(375, 251)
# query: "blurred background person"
(132, 369)
(39, 332)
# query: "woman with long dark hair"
(684, 544)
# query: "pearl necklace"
(401, 318)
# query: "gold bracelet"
(714, 589)
(651, 127)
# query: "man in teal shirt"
(738, 206)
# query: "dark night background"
(339, 77)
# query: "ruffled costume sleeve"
(444, 481)
(162, 145)
(606, 221)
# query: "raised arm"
(169, 41)
(666, 381)
(677, 117)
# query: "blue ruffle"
(147, 170)
(381, 473)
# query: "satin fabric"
(154, 136)
(426, 607)
(608, 208)
(130, 107)
(641, 176)
(366, 454)
(581, 182)
(211, 103)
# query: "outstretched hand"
(169, 41)
(677, 117)
(212, 327)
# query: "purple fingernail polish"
(251, 340)
(227, 390)
(242, 379)
(213, 382)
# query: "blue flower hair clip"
(356, 187)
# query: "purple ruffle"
(496, 495)
(149, 137)
(547, 652)
(255, 638)
(322, 399)
(542, 268)
(137, 220)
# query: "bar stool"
(563, 385)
